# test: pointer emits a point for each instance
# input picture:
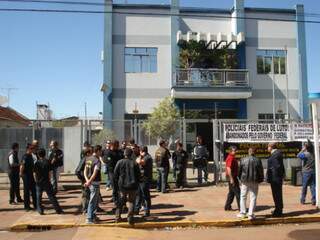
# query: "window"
(269, 116)
(271, 61)
(138, 60)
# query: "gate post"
(316, 150)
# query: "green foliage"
(195, 54)
(162, 122)
(102, 136)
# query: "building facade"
(143, 61)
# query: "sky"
(55, 57)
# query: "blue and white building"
(141, 61)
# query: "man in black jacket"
(126, 178)
(250, 174)
(275, 176)
(110, 158)
(180, 160)
(56, 160)
(162, 156)
(26, 172)
(145, 163)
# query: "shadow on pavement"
(310, 234)
(165, 206)
(262, 208)
(302, 212)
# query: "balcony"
(211, 83)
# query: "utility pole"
(85, 122)
(9, 90)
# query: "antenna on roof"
(9, 90)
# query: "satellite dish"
(3, 100)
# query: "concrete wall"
(145, 90)
(262, 34)
(72, 142)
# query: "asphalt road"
(279, 232)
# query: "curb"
(161, 225)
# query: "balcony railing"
(198, 77)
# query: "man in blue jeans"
(308, 172)
(92, 174)
(162, 157)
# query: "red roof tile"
(8, 113)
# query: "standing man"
(275, 176)
(105, 167)
(42, 172)
(162, 157)
(92, 175)
(200, 159)
(308, 172)
(35, 148)
(13, 173)
(145, 163)
(180, 158)
(56, 160)
(126, 177)
(111, 159)
(26, 172)
(232, 169)
(250, 174)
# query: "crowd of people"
(244, 178)
(128, 170)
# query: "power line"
(314, 15)
(153, 14)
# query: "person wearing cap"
(126, 178)
(162, 156)
(308, 172)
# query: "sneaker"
(131, 220)
(146, 213)
(251, 217)
(108, 189)
(20, 200)
(89, 221)
(241, 215)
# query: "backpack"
(80, 168)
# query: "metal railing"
(199, 77)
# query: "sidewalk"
(201, 206)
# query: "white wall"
(262, 34)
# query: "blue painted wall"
(302, 54)
(107, 66)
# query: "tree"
(162, 122)
(195, 54)
(102, 136)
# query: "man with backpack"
(250, 175)
(56, 160)
(126, 178)
(85, 192)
